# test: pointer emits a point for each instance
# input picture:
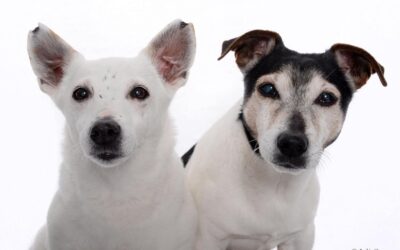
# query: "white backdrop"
(360, 173)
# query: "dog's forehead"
(117, 70)
(299, 67)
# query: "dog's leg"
(40, 242)
(304, 240)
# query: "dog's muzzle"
(292, 149)
(106, 139)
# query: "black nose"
(292, 145)
(105, 133)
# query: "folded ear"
(251, 47)
(357, 64)
(49, 55)
(172, 52)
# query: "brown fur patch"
(250, 47)
(358, 63)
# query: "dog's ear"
(172, 52)
(49, 55)
(357, 64)
(251, 47)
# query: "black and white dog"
(253, 174)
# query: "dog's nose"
(105, 133)
(292, 145)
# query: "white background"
(360, 172)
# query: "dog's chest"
(264, 226)
(83, 227)
(263, 218)
(275, 218)
(113, 226)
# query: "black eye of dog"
(326, 99)
(268, 90)
(139, 93)
(80, 94)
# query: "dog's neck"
(150, 164)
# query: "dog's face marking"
(113, 105)
(295, 113)
(295, 104)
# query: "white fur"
(139, 201)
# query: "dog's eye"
(139, 93)
(268, 90)
(80, 94)
(326, 99)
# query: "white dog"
(121, 185)
(253, 173)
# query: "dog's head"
(295, 104)
(113, 105)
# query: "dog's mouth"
(290, 163)
(108, 156)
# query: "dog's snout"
(292, 145)
(105, 133)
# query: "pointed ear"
(49, 55)
(357, 64)
(251, 47)
(172, 52)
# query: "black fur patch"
(255, 147)
(186, 157)
(35, 29)
(182, 25)
(302, 65)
